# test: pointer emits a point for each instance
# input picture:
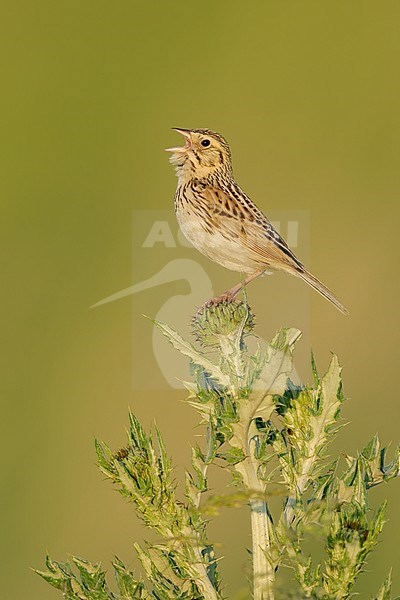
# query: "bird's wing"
(234, 212)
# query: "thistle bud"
(222, 320)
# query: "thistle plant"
(271, 435)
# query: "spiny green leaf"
(197, 357)
(314, 370)
(92, 585)
(92, 578)
(385, 592)
(129, 588)
(233, 456)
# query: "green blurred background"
(308, 95)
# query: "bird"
(222, 222)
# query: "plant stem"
(263, 574)
(263, 570)
(204, 581)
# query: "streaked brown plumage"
(222, 222)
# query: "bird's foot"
(225, 298)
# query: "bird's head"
(204, 154)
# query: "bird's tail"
(321, 289)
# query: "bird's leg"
(230, 294)
(240, 286)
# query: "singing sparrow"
(222, 222)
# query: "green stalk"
(263, 574)
(204, 581)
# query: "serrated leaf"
(385, 592)
(233, 456)
(278, 366)
(189, 350)
(92, 577)
(129, 588)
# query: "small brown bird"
(222, 222)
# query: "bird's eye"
(205, 143)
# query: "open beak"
(188, 144)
